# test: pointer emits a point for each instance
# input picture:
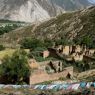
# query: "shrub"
(2, 47)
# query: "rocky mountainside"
(37, 10)
(73, 26)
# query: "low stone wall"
(41, 76)
(89, 73)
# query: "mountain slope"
(27, 10)
(72, 26)
(70, 5)
(37, 10)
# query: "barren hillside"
(73, 26)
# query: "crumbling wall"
(41, 76)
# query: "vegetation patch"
(15, 68)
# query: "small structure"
(57, 66)
(45, 54)
(78, 57)
(59, 48)
(91, 52)
(33, 64)
(78, 48)
(66, 50)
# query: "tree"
(15, 68)
(48, 43)
(29, 43)
(63, 41)
(88, 41)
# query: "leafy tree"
(63, 41)
(29, 43)
(48, 43)
(86, 40)
(15, 68)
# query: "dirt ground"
(27, 91)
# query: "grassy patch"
(8, 52)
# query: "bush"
(48, 43)
(2, 47)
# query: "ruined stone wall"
(86, 74)
(41, 76)
(78, 48)
(66, 50)
(78, 57)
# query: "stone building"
(67, 50)
(75, 52)
(57, 66)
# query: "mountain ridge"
(38, 10)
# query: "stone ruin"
(57, 66)
(40, 75)
(75, 52)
